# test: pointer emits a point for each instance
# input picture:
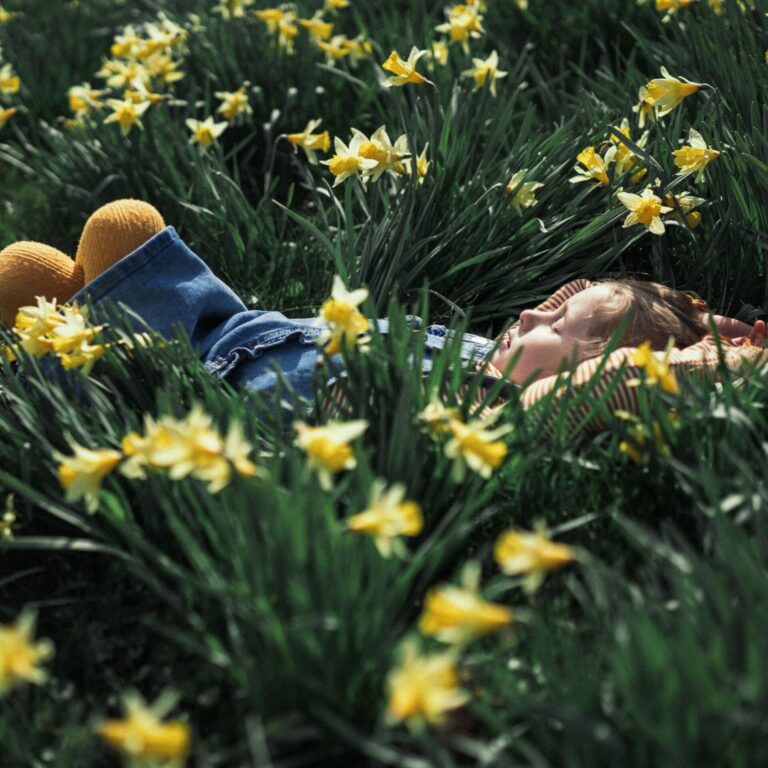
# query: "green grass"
(277, 627)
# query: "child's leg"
(28, 270)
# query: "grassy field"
(257, 620)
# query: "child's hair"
(657, 312)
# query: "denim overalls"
(166, 284)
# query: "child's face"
(549, 338)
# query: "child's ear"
(29, 270)
(113, 231)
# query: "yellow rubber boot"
(112, 232)
(28, 270)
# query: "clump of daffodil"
(591, 167)
(82, 473)
(205, 132)
(423, 688)
(458, 614)
(521, 193)
(404, 72)
(485, 69)
(191, 446)
(10, 82)
(234, 104)
(348, 162)
(475, 446)
(532, 553)
(686, 202)
(126, 113)
(436, 417)
(463, 22)
(388, 156)
(311, 142)
(666, 92)
(46, 328)
(6, 114)
(655, 367)
(640, 436)
(317, 27)
(645, 209)
(387, 517)
(347, 326)
(144, 736)
(83, 99)
(20, 655)
(695, 156)
(281, 23)
(231, 9)
(624, 159)
(328, 447)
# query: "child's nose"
(530, 318)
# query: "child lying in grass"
(126, 254)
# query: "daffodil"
(9, 81)
(436, 418)
(317, 27)
(464, 22)
(424, 688)
(164, 69)
(666, 92)
(591, 167)
(20, 655)
(125, 44)
(335, 5)
(83, 98)
(655, 366)
(232, 9)
(8, 519)
(126, 114)
(81, 474)
(532, 553)
(271, 17)
(404, 72)
(422, 164)
(125, 74)
(625, 158)
(686, 202)
(348, 161)
(359, 48)
(205, 132)
(695, 156)
(287, 31)
(473, 445)
(643, 108)
(458, 615)
(6, 16)
(485, 69)
(388, 156)
(387, 517)
(334, 49)
(716, 5)
(144, 737)
(645, 209)
(345, 322)
(328, 447)
(670, 7)
(234, 104)
(439, 52)
(311, 142)
(522, 193)
(6, 114)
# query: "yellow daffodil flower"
(328, 447)
(473, 445)
(358, 47)
(388, 156)
(533, 553)
(143, 736)
(523, 193)
(485, 69)
(126, 114)
(232, 9)
(8, 520)
(9, 81)
(348, 161)
(20, 656)
(644, 107)
(6, 114)
(404, 72)
(645, 209)
(163, 69)
(423, 688)
(464, 22)
(666, 92)
(336, 48)
(335, 5)
(125, 44)
(422, 164)
(81, 474)
(655, 366)
(311, 142)
(458, 615)
(205, 132)
(388, 517)
(439, 52)
(234, 104)
(625, 158)
(125, 74)
(695, 156)
(6, 16)
(687, 203)
(436, 418)
(287, 31)
(591, 167)
(346, 325)
(670, 7)
(317, 27)
(716, 5)
(83, 98)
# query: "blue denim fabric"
(168, 285)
